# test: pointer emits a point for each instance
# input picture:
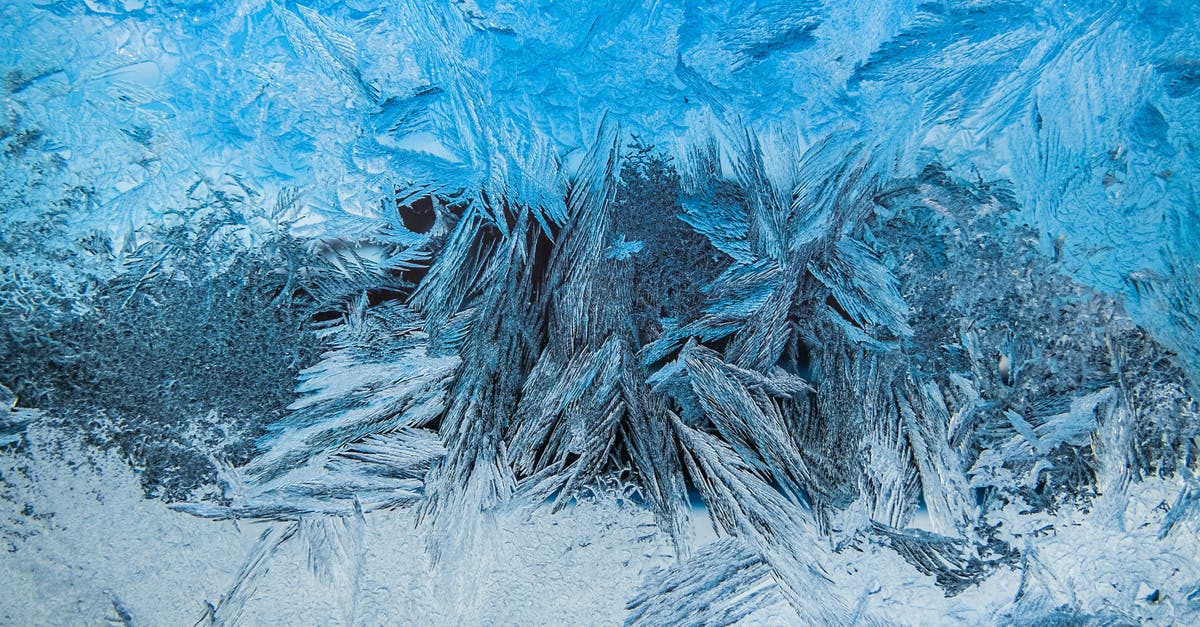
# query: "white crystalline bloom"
(648, 313)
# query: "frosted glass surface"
(648, 313)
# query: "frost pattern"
(892, 286)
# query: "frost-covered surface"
(81, 543)
(646, 312)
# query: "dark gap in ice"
(841, 311)
(717, 344)
(384, 294)
(418, 216)
(797, 359)
(542, 244)
(327, 316)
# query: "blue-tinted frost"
(875, 282)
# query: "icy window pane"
(598, 313)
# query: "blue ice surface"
(1088, 109)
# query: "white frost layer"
(78, 537)
(91, 539)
